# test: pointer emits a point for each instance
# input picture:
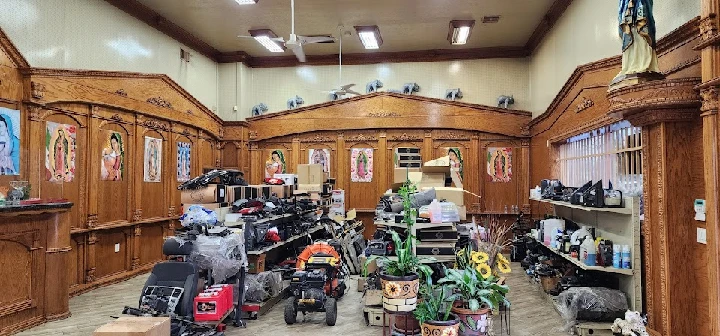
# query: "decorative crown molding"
(656, 101)
(584, 105)
(316, 139)
(383, 114)
(405, 137)
(361, 138)
(453, 136)
(155, 124)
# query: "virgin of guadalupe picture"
(275, 164)
(60, 152)
(183, 161)
(321, 157)
(9, 141)
(153, 159)
(361, 165)
(499, 164)
(456, 163)
(112, 162)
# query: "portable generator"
(317, 285)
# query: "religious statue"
(637, 31)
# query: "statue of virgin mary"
(637, 31)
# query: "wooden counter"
(34, 246)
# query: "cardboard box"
(213, 193)
(414, 177)
(462, 212)
(282, 191)
(256, 264)
(361, 284)
(135, 326)
(455, 195)
(439, 162)
(209, 206)
(373, 297)
(433, 180)
(289, 179)
(310, 187)
(310, 174)
(401, 174)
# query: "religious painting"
(499, 164)
(275, 164)
(321, 157)
(9, 141)
(183, 161)
(112, 163)
(456, 163)
(361, 165)
(60, 152)
(153, 159)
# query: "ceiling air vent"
(491, 19)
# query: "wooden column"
(524, 193)
(296, 155)
(710, 61)
(668, 112)
(341, 163)
(382, 164)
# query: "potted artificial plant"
(400, 277)
(434, 310)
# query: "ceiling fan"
(296, 42)
(343, 90)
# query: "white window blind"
(612, 153)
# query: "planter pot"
(441, 328)
(473, 322)
(400, 292)
(406, 325)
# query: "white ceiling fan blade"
(298, 51)
(346, 87)
(315, 39)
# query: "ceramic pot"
(406, 325)
(400, 292)
(472, 322)
(441, 328)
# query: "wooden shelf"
(577, 263)
(417, 226)
(623, 211)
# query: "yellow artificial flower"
(501, 258)
(484, 270)
(392, 289)
(480, 257)
(503, 266)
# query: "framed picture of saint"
(152, 163)
(499, 164)
(112, 162)
(361, 165)
(183, 161)
(60, 152)
(321, 157)
(275, 164)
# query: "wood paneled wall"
(117, 226)
(384, 122)
(671, 178)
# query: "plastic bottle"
(435, 212)
(626, 257)
(617, 256)
(588, 253)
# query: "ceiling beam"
(548, 21)
(159, 22)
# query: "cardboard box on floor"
(136, 326)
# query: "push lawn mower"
(318, 283)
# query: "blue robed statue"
(637, 31)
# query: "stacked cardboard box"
(214, 197)
(135, 326)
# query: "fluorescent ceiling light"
(460, 31)
(369, 36)
(265, 37)
(246, 2)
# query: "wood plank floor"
(531, 314)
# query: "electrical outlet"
(117, 247)
(701, 236)
(235, 108)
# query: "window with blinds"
(408, 157)
(612, 153)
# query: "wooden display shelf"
(578, 263)
(416, 226)
(624, 211)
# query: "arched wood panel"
(114, 196)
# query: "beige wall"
(587, 32)
(92, 34)
(481, 82)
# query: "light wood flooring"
(531, 314)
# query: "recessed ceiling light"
(267, 37)
(459, 31)
(369, 36)
(246, 2)
(491, 19)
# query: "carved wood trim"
(361, 138)
(451, 135)
(657, 101)
(15, 55)
(16, 307)
(406, 137)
